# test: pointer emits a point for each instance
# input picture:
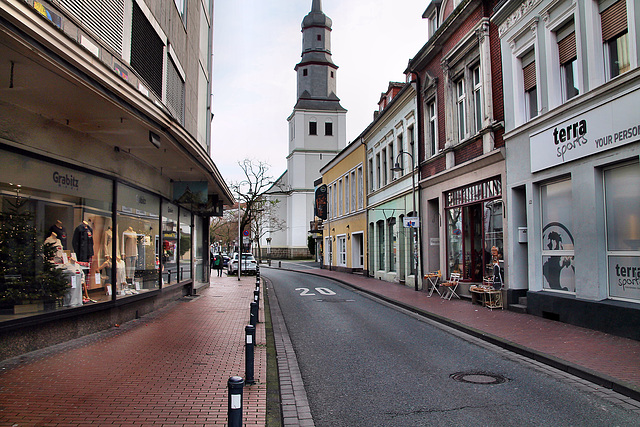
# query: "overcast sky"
(256, 47)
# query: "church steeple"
(316, 71)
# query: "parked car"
(249, 264)
(225, 260)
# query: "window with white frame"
(461, 109)
(313, 128)
(330, 199)
(381, 248)
(432, 24)
(615, 37)
(371, 174)
(384, 166)
(433, 127)
(378, 171)
(477, 97)
(342, 250)
(530, 85)
(391, 163)
(335, 200)
(400, 150)
(393, 243)
(412, 145)
(568, 59)
(327, 250)
(340, 194)
(360, 188)
(347, 191)
(353, 191)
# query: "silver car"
(249, 264)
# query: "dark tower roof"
(316, 17)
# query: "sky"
(256, 47)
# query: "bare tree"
(258, 211)
(265, 220)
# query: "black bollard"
(234, 413)
(250, 338)
(254, 314)
(279, 264)
(256, 298)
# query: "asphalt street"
(367, 363)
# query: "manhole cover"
(478, 378)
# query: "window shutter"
(614, 20)
(104, 18)
(567, 48)
(147, 51)
(529, 73)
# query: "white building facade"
(572, 140)
(317, 132)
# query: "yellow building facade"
(344, 233)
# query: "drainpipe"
(418, 86)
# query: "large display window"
(622, 200)
(474, 225)
(169, 257)
(558, 266)
(137, 261)
(186, 245)
(56, 231)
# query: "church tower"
(317, 132)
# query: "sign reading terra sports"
(604, 127)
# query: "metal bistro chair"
(451, 286)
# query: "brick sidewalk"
(170, 368)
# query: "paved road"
(365, 363)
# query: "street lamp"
(398, 168)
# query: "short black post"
(256, 298)
(279, 264)
(234, 413)
(250, 338)
(254, 314)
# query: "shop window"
(393, 244)
(622, 204)
(71, 212)
(137, 233)
(381, 233)
(558, 266)
(185, 245)
(474, 225)
(169, 260)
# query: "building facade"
(573, 179)
(317, 132)
(344, 232)
(392, 194)
(461, 149)
(107, 185)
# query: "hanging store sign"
(411, 222)
(321, 202)
(602, 128)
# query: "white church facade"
(317, 132)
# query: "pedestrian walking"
(217, 264)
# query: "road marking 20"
(321, 291)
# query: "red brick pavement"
(605, 355)
(169, 369)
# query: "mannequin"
(53, 239)
(121, 277)
(83, 242)
(130, 251)
(108, 238)
(106, 266)
(73, 297)
(58, 228)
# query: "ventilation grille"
(104, 18)
(175, 92)
(147, 50)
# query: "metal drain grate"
(478, 378)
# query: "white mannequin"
(130, 251)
